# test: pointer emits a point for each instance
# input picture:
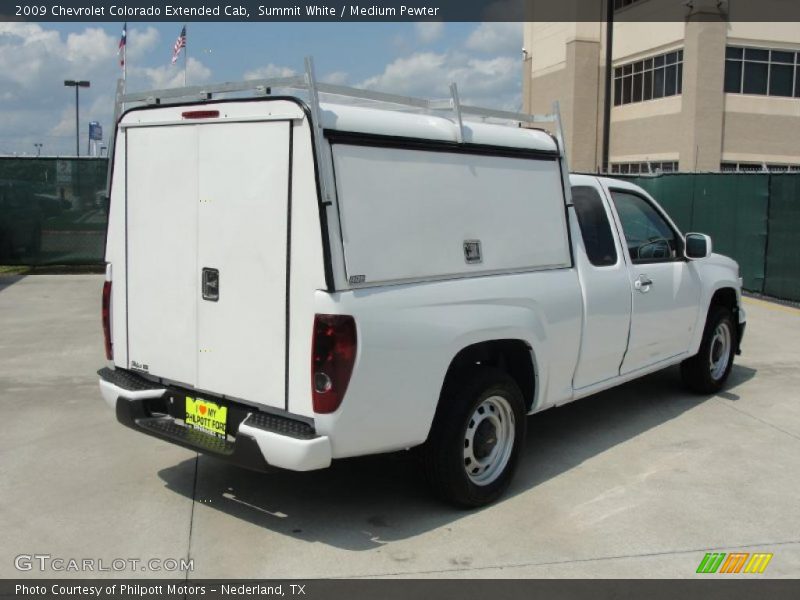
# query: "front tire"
(707, 371)
(476, 438)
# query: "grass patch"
(14, 270)
(50, 269)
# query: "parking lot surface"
(639, 481)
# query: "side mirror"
(698, 245)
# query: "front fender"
(716, 273)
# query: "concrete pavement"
(639, 481)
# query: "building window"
(752, 167)
(649, 79)
(636, 168)
(762, 72)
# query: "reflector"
(106, 316)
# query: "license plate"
(206, 416)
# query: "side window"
(595, 228)
(649, 237)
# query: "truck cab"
(647, 286)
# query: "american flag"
(123, 43)
(179, 44)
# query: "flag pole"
(124, 48)
(125, 61)
(185, 54)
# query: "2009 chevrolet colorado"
(290, 282)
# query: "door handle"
(643, 283)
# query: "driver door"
(665, 287)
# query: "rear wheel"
(707, 371)
(476, 438)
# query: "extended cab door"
(605, 284)
(665, 287)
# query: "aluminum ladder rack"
(308, 83)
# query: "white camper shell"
(292, 281)
(236, 192)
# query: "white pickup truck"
(290, 283)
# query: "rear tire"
(476, 438)
(707, 371)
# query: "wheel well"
(512, 356)
(725, 297)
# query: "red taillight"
(200, 114)
(333, 353)
(107, 319)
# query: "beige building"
(698, 92)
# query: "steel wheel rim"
(720, 351)
(491, 424)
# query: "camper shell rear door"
(207, 204)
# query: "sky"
(410, 58)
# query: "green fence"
(52, 211)
(753, 218)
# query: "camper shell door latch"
(472, 252)
(210, 284)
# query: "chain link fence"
(753, 218)
(53, 211)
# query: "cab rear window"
(594, 225)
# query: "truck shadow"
(7, 281)
(365, 503)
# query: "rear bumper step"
(262, 440)
(128, 380)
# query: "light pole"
(38, 146)
(77, 85)
(610, 4)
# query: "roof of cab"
(374, 121)
(589, 178)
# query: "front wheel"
(476, 438)
(707, 371)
